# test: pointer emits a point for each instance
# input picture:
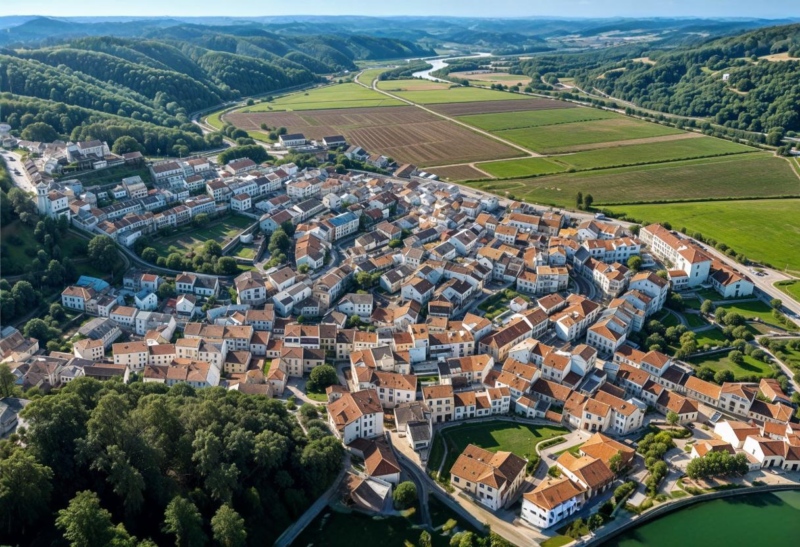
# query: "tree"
(395, 243)
(405, 495)
(588, 201)
(228, 527)
(184, 520)
(364, 280)
(102, 253)
(707, 307)
(86, 524)
(776, 303)
(150, 255)
(166, 290)
(615, 463)
(37, 328)
(723, 376)
(425, 539)
(672, 418)
(303, 268)
(24, 296)
(175, 261)
(7, 381)
(39, 131)
(226, 266)
(595, 521)
(57, 311)
(25, 490)
(279, 242)
(635, 263)
(200, 220)
(125, 145)
(579, 200)
(321, 377)
(735, 357)
(255, 152)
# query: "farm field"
(518, 104)
(370, 74)
(639, 154)
(570, 137)
(458, 95)
(764, 230)
(524, 167)
(720, 361)
(536, 118)
(458, 172)
(790, 288)
(348, 95)
(407, 134)
(740, 176)
(220, 231)
(488, 78)
(521, 439)
(412, 84)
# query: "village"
(406, 309)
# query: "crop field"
(524, 167)
(536, 118)
(739, 176)
(488, 78)
(764, 230)
(221, 231)
(456, 173)
(336, 96)
(413, 84)
(571, 137)
(638, 154)
(492, 107)
(407, 134)
(458, 95)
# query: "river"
(437, 64)
(741, 521)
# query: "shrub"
(405, 495)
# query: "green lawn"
(763, 230)
(521, 439)
(566, 137)
(790, 288)
(458, 95)
(111, 175)
(695, 320)
(692, 303)
(740, 176)
(712, 337)
(667, 319)
(19, 255)
(720, 361)
(640, 154)
(244, 252)
(348, 95)
(191, 239)
(536, 118)
(215, 119)
(556, 541)
(709, 294)
(525, 167)
(498, 303)
(753, 310)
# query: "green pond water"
(743, 521)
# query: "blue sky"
(484, 8)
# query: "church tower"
(41, 199)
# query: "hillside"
(750, 81)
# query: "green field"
(521, 439)
(740, 176)
(370, 74)
(412, 84)
(215, 119)
(192, 238)
(790, 288)
(536, 118)
(336, 96)
(720, 361)
(568, 137)
(458, 95)
(753, 310)
(525, 167)
(639, 154)
(764, 230)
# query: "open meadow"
(412, 84)
(536, 118)
(348, 95)
(191, 240)
(764, 230)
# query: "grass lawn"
(113, 175)
(639, 154)
(753, 310)
(215, 119)
(667, 319)
(319, 397)
(739, 176)
(790, 288)
(348, 95)
(709, 294)
(720, 361)
(525, 167)
(536, 118)
(692, 303)
(71, 246)
(763, 230)
(565, 137)
(458, 95)
(695, 320)
(191, 239)
(521, 439)
(244, 252)
(712, 337)
(498, 303)
(556, 541)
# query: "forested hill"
(149, 84)
(750, 81)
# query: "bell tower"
(41, 199)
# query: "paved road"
(13, 162)
(418, 477)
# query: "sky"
(478, 8)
